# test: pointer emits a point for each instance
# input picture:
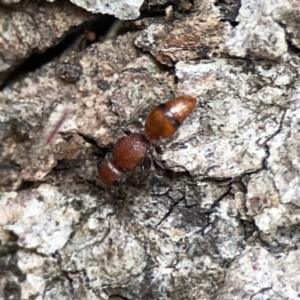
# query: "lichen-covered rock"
(37, 220)
(230, 128)
(121, 9)
(260, 275)
(42, 101)
(29, 101)
(258, 34)
(273, 194)
(28, 27)
(104, 245)
(192, 38)
(190, 249)
(218, 217)
(289, 16)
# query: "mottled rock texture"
(218, 215)
(31, 27)
(121, 9)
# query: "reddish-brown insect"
(164, 120)
(129, 151)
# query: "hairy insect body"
(129, 151)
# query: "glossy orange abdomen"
(164, 120)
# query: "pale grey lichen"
(121, 9)
(107, 250)
(257, 34)
(37, 220)
(260, 275)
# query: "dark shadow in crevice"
(229, 10)
(100, 27)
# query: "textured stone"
(36, 220)
(218, 216)
(121, 9)
(260, 275)
(28, 27)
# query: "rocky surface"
(121, 9)
(218, 218)
(28, 27)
